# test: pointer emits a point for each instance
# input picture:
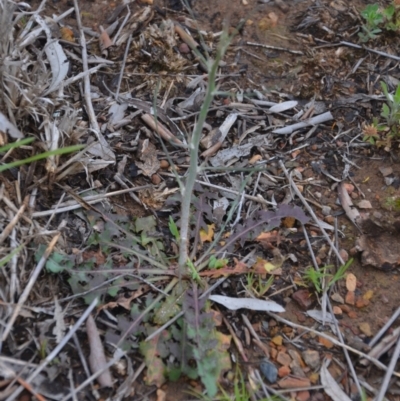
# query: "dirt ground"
(304, 73)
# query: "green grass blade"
(12, 145)
(8, 257)
(44, 155)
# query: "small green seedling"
(391, 109)
(316, 277)
(215, 263)
(378, 19)
(258, 286)
(373, 18)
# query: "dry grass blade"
(97, 358)
(331, 387)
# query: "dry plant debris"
(292, 251)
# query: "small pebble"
(350, 298)
(164, 164)
(311, 358)
(344, 254)
(337, 298)
(269, 370)
(155, 179)
(365, 204)
(184, 48)
(385, 171)
(337, 310)
(326, 210)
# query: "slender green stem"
(187, 190)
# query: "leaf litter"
(259, 143)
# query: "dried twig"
(7, 230)
(284, 49)
(128, 45)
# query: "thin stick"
(128, 45)
(7, 230)
(349, 44)
(389, 372)
(275, 48)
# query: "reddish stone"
(337, 310)
(300, 317)
(362, 303)
(284, 371)
(294, 382)
(184, 48)
(304, 298)
(273, 353)
(350, 298)
(283, 358)
(303, 396)
(345, 308)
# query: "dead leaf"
(240, 268)
(207, 236)
(269, 237)
(67, 34)
(288, 222)
(247, 303)
(97, 358)
(263, 266)
(255, 159)
(148, 155)
(104, 41)
(331, 387)
(368, 295)
(156, 368)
